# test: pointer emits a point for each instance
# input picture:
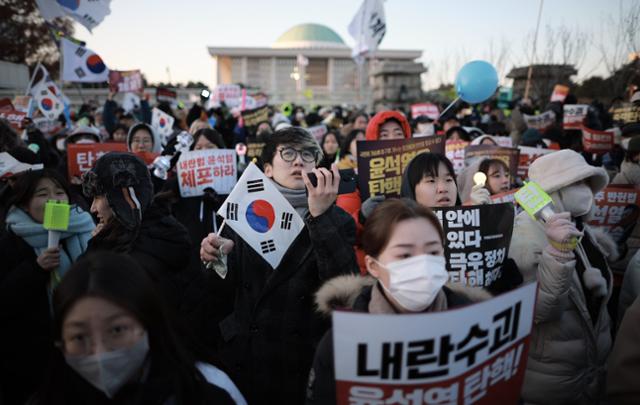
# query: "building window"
(317, 72)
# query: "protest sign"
(82, 157)
(252, 118)
(528, 155)
(541, 121)
(627, 114)
(560, 92)
(427, 109)
(573, 115)
(6, 105)
(509, 156)
(254, 148)
(504, 141)
(476, 354)
(165, 95)
(23, 104)
(477, 241)
(208, 168)
(125, 81)
(381, 163)
(594, 141)
(507, 197)
(617, 206)
(230, 94)
(455, 153)
(318, 132)
(15, 118)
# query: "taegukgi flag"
(49, 103)
(89, 13)
(80, 64)
(162, 123)
(257, 212)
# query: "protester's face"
(360, 123)
(438, 191)
(411, 237)
(119, 135)
(45, 190)
(100, 207)
(498, 180)
(142, 141)
(127, 122)
(204, 143)
(455, 136)
(353, 146)
(330, 145)
(288, 174)
(391, 130)
(95, 325)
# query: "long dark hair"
(344, 149)
(422, 165)
(120, 280)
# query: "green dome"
(309, 36)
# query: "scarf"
(74, 240)
(297, 198)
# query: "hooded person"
(143, 138)
(571, 336)
(132, 222)
(404, 245)
(383, 125)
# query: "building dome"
(309, 36)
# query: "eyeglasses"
(290, 154)
(114, 338)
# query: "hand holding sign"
(322, 196)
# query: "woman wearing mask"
(571, 336)
(29, 273)
(270, 337)
(403, 242)
(115, 344)
(330, 148)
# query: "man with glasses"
(270, 336)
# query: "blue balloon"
(476, 81)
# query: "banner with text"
(209, 168)
(476, 354)
(594, 141)
(427, 109)
(381, 163)
(455, 153)
(477, 241)
(509, 156)
(617, 211)
(627, 114)
(573, 115)
(541, 121)
(528, 155)
(82, 157)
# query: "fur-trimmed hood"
(341, 292)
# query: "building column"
(274, 80)
(243, 70)
(331, 75)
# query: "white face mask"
(415, 282)
(110, 371)
(577, 199)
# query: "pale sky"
(153, 35)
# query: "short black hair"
(288, 136)
(422, 165)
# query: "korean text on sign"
(613, 204)
(209, 168)
(477, 242)
(476, 354)
(82, 157)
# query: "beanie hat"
(564, 167)
(125, 181)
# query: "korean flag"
(257, 212)
(163, 124)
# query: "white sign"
(208, 168)
(573, 115)
(474, 354)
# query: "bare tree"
(498, 55)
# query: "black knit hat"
(124, 179)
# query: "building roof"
(309, 36)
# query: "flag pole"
(448, 107)
(533, 53)
(33, 77)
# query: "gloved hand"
(368, 206)
(560, 231)
(480, 195)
